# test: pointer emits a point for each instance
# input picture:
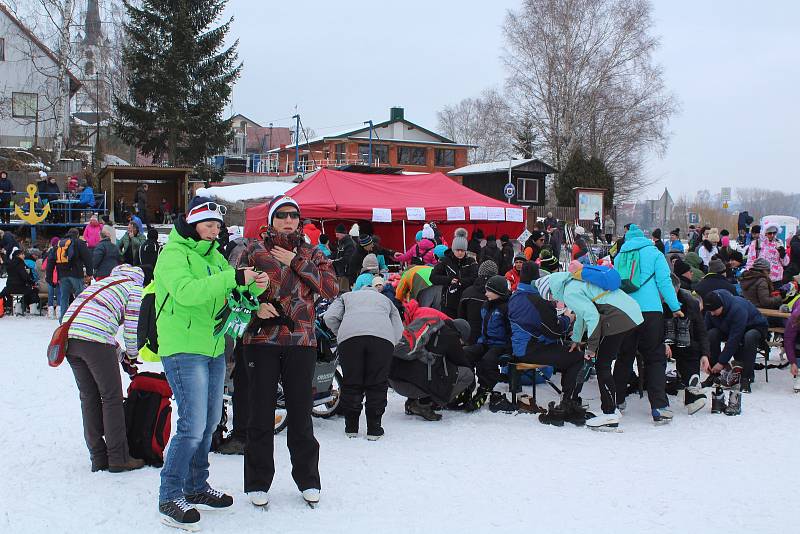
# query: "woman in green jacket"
(194, 283)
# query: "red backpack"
(148, 417)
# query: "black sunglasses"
(287, 214)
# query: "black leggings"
(365, 364)
(606, 353)
(486, 359)
(558, 356)
(648, 339)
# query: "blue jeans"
(53, 295)
(197, 383)
(70, 287)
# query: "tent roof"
(330, 194)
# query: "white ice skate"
(311, 496)
(258, 498)
(605, 422)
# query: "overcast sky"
(734, 66)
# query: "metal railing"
(66, 209)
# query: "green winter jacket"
(196, 279)
(134, 244)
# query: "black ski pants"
(365, 362)
(241, 391)
(486, 359)
(295, 367)
(687, 363)
(558, 356)
(648, 340)
(607, 351)
(745, 354)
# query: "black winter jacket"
(19, 277)
(449, 267)
(469, 308)
(443, 371)
(105, 257)
(345, 249)
(712, 282)
(691, 309)
(81, 261)
(490, 252)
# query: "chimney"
(396, 114)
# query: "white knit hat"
(427, 232)
(279, 202)
(354, 231)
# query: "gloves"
(781, 252)
(240, 277)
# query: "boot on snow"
(694, 399)
(178, 513)
(718, 403)
(374, 428)
(499, 403)
(351, 426)
(605, 422)
(669, 332)
(422, 409)
(662, 416)
(734, 403)
(460, 401)
(477, 401)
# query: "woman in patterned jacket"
(281, 344)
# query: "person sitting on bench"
(539, 336)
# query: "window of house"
(528, 189)
(380, 153)
(341, 153)
(411, 156)
(445, 157)
(2, 49)
(24, 105)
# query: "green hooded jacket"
(197, 279)
(694, 261)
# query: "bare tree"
(582, 72)
(484, 121)
(761, 202)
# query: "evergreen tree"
(180, 80)
(581, 171)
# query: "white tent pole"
(322, 223)
(404, 236)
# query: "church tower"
(92, 59)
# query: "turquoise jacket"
(583, 299)
(654, 269)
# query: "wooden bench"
(774, 338)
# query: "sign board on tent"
(509, 191)
(383, 215)
(478, 213)
(496, 214)
(524, 237)
(514, 215)
(415, 214)
(456, 213)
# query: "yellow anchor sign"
(32, 217)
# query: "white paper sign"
(478, 213)
(514, 215)
(381, 215)
(496, 214)
(415, 214)
(456, 214)
(524, 237)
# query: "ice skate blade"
(207, 508)
(188, 527)
(311, 504)
(613, 428)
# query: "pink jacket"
(423, 248)
(91, 234)
(769, 251)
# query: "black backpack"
(148, 417)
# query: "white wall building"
(28, 86)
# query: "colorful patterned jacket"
(764, 248)
(295, 288)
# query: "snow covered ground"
(482, 472)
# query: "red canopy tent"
(332, 196)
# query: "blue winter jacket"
(655, 274)
(738, 316)
(494, 323)
(87, 196)
(526, 320)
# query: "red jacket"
(412, 311)
(295, 288)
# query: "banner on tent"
(415, 214)
(478, 213)
(514, 215)
(456, 213)
(496, 214)
(383, 215)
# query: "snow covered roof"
(498, 166)
(240, 192)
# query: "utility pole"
(370, 141)
(296, 142)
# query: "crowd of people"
(443, 323)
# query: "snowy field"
(479, 472)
